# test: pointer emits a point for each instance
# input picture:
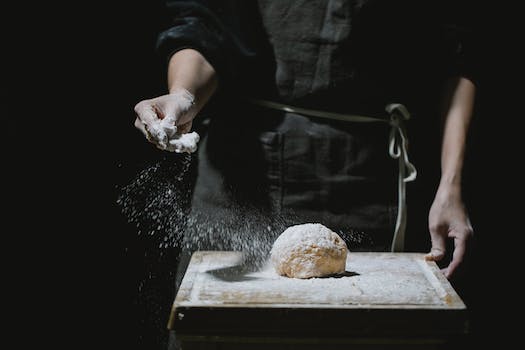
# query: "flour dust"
(158, 202)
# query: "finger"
(152, 127)
(457, 257)
(146, 112)
(141, 127)
(185, 128)
(144, 130)
(437, 252)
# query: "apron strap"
(397, 149)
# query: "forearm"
(189, 70)
(447, 217)
(457, 116)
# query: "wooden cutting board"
(380, 293)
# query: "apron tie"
(397, 149)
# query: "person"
(298, 102)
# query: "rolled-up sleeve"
(464, 62)
(202, 25)
(461, 26)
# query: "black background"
(78, 71)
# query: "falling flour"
(158, 201)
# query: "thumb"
(185, 128)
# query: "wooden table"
(384, 300)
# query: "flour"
(376, 280)
(185, 143)
(308, 250)
(164, 130)
(157, 200)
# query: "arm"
(191, 83)
(189, 70)
(200, 44)
(448, 217)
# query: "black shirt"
(326, 54)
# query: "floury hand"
(166, 120)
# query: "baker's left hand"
(448, 218)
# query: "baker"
(307, 110)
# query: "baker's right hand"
(163, 117)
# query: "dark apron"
(261, 170)
(264, 170)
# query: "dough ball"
(308, 250)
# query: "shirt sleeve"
(211, 28)
(463, 35)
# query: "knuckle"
(437, 250)
(138, 107)
(467, 233)
(435, 227)
(142, 106)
